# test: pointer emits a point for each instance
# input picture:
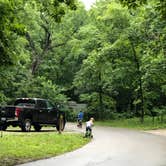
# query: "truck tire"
(37, 127)
(26, 125)
(60, 123)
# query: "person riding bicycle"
(89, 125)
(80, 118)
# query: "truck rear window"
(25, 102)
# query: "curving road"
(113, 147)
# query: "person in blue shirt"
(80, 118)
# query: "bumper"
(9, 121)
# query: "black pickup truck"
(27, 112)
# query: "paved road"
(113, 147)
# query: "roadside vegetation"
(135, 123)
(18, 147)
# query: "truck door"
(42, 111)
(52, 113)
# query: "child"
(89, 125)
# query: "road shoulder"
(157, 132)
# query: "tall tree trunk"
(100, 97)
(139, 81)
(101, 104)
(38, 56)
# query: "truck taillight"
(17, 111)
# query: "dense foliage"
(112, 58)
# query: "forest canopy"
(111, 57)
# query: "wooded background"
(112, 57)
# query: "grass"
(134, 123)
(18, 147)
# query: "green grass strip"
(134, 123)
(16, 148)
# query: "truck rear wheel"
(26, 125)
(37, 127)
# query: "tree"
(95, 76)
(10, 30)
(45, 16)
(125, 42)
(17, 19)
(160, 5)
(11, 44)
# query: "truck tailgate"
(7, 111)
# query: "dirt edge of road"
(157, 132)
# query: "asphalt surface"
(113, 147)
